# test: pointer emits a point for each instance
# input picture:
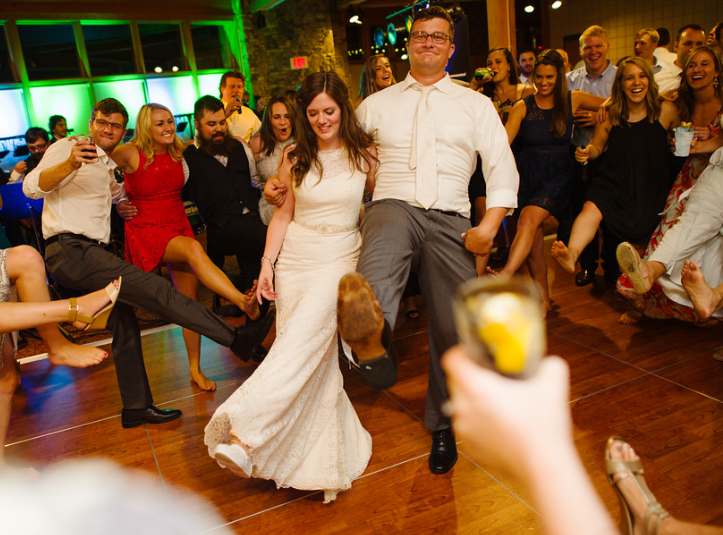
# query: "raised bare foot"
(203, 382)
(492, 272)
(89, 305)
(634, 497)
(634, 267)
(67, 354)
(630, 316)
(704, 299)
(252, 303)
(564, 256)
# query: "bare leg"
(584, 229)
(706, 300)
(9, 381)
(187, 283)
(531, 217)
(638, 505)
(538, 269)
(17, 316)
(185, 250)
(27, 270)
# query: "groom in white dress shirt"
(418, 219)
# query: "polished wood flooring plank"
(106, 439)
(676, 432)
(701, 373)
(405, 499)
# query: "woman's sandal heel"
(654, 513)
(100, 319)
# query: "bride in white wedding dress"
(292, 421)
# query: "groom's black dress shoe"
(444, 452)
(584, 277)
(248, 336)
(149, 415)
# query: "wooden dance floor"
(654, 383)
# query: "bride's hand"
(266, 284)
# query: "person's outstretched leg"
(9, 380)
(531, 217)
(26, 268)
(186, 282)
(538, 269)
(583, 231)
(185, 250)
(706, 300)
(644, 522)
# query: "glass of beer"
(500, 322)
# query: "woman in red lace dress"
(158, 230)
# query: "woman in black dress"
(630, 190)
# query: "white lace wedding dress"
(293, 412)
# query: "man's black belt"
(447, 212)
(71, 236)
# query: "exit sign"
(298, 63)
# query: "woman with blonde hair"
(630, 190)
(157, 229)
(376, 75)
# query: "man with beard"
(76, 179)
(219, 183)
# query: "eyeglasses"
(33, 148)
(438, 38)
(105, 124)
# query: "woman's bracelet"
(273, 267)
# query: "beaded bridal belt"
(327, 228)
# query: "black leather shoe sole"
(133, 418)
(381, 372)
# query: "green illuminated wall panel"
(131, 93)
(208, 84)
(14, 119)
(70, 101)
(177, 93)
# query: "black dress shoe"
(248, 336)
(444, 452)
(259, 353)
(149, 415)
(584, 277)
(381, 372)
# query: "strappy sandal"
(654, 514)
(100, 319)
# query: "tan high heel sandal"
(654, 514)
(100, 319)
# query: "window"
(49, 50)
(162, 48)
(211, 47)
(110, 49)
(6, 71)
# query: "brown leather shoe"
(361, 325)
(359, 317)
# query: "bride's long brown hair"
(353, 137)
